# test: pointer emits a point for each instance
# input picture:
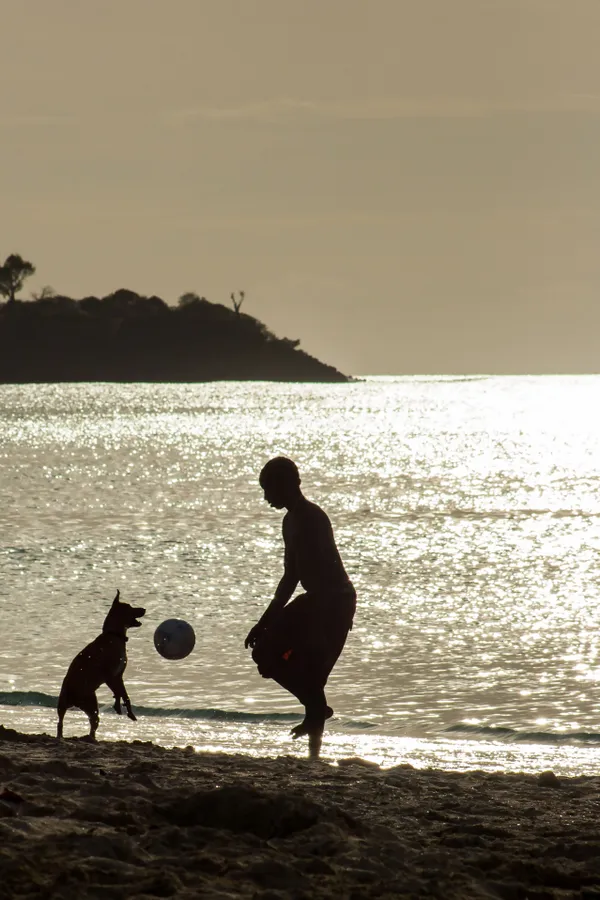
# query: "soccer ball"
(174, 639)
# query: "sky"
(408, 186)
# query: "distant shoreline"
(126, 338)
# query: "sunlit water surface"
(467, 511)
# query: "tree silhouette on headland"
(13, 274)
(237, 304)
(44, 293)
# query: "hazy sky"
(405, 185)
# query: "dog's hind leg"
(94, 718)
(61, 714)
(89, 705)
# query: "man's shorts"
(309, 632)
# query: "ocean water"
(467, 511)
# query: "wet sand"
(120, 820)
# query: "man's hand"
(253, 635)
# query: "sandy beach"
(117, 820)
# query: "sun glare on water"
(466, 510)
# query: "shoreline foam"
(117, 820)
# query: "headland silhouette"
(125, 337)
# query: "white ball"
(174, 639)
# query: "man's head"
(280, 481)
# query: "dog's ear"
(116, 600)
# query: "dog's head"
(122, 616)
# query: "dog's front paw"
(117, 708)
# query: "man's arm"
(284, 591)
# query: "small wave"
(36, 698)
(359, 725)
(221, 715)
(519, 513)
(497, 733)
(27, 698)
(530, 737)
(483, 514)
(447, 379)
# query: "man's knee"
(264, 661)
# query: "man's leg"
(311, 677)
(302, 674)
(299, 656)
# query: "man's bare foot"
(305, 726)
(299, 730)
(314, 744)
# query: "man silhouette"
(297, 643)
